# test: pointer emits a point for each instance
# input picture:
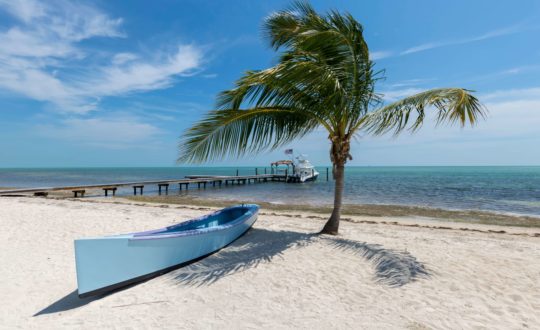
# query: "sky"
(115, 83)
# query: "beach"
(381, 272)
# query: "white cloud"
(485, 36)
(33, 44)
(31, 82)
(396, 94)
(37, 54)
(507, 95)
(25, 10)
(141, 75)
(114, 132)
(378, 55)
(410, 82)
(210, 75)
(121, 58)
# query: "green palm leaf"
(236, 132)
(453, 105)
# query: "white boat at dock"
(299, 170)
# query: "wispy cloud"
(411, 82)
(141, 75)
(24, 10)
(396, 94)
(511, 95)
(210, 75)
(45, 42)
(491, 34)
(129, 131)
(122, 58)
(378, 55)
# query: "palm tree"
(323, 79)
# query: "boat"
(108, 263)
(304, 171)
(300, 170)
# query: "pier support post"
(166, 185)
(77, 192)
(106, 190)
(140, 187)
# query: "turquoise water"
(502, 189)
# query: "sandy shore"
(380, 273)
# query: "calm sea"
(502, 189)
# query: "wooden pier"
(162, 185)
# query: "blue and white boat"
(110, 262)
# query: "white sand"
(274, 277)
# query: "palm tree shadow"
(255, 247)
(393, 268)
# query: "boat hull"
(107, 263)
(298, 179)
(311, 178)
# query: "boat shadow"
(393, 268)
(70, 301)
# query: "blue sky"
(114, 83)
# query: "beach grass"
(371, 210)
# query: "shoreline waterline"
(370, 210)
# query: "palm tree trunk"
(332, 225)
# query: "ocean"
(512, 190)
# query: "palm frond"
(283, 27)
(332, 59)
(236, 132)
(453, 105)
(301, 85)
